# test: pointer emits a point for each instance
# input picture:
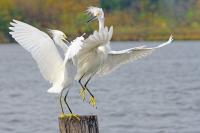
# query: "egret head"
(95, 12)
(56, 34)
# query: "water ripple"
(157, 94)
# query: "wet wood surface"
(86, 124)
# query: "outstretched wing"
(41, 47)
(74, 48)
(82, 48)
(117, 58)
(97, 39)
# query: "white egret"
(96, 56)
(92, 54)
(97, 13)
(43, 50)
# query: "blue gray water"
(157, 94)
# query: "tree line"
(132, 19)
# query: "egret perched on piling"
(96, 57)
(43, 50)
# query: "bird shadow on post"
(86, 124)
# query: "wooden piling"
(86, 124)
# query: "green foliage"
(7, 12)
(156, 17)
(115, 4)
(132, 19)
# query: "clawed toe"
(83, 93)
(70, 116)
(93, 101)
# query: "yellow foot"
(93, 101)
(70, 116)
(83, 93)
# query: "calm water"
(158, 94)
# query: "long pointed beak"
(65, 39)
(92, 19)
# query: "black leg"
(81, 83)
(65, 99)
(87, 82)
(87, 88)
(61, 101)
(82, 92)
(92, 100)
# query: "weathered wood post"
(86, 124)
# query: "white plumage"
(89, 56)
(117, 58)
(94, 55)
(90, 53)
(74, 48)
(114, 59)
(45, 53)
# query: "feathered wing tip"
(110, 32)
(13, 23)
(74, 48)
(171, 38)
(166, 43)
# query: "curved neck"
(101, 23)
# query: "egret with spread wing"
(96, 57)
(46, 55)
(117, 58)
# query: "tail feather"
(55, 89)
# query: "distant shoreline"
(135, 37)
(141, 40)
